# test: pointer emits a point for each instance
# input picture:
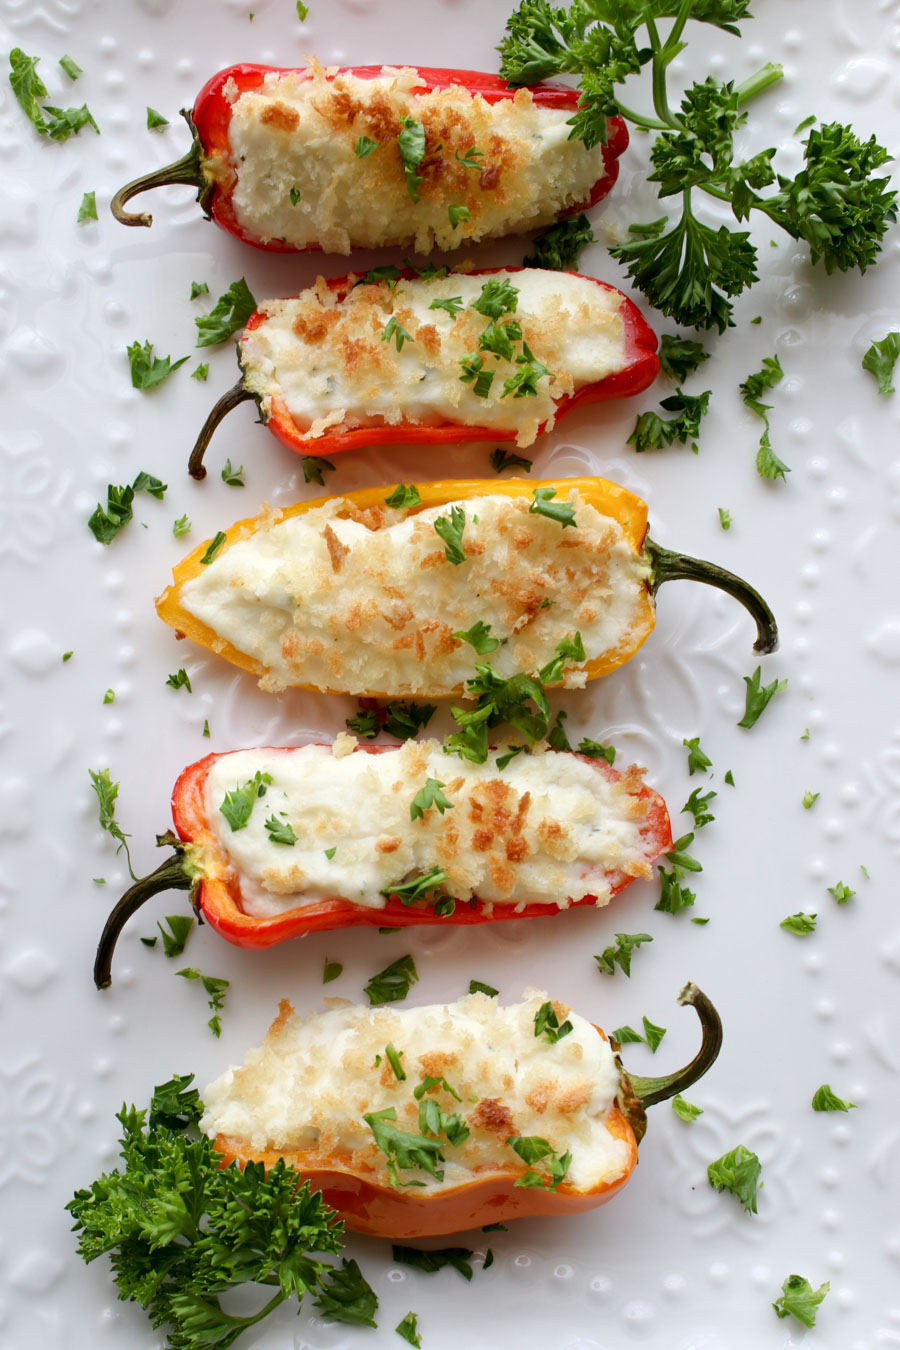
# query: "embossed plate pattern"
(669, 1265)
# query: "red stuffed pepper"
(377, 156)
(435, 357)
(278, 843)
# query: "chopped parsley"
(725, 518)
(215, 544)
(330, 852)
(469, 160)
(403, 718)
(800, 1300)
(826, 1100)
(758, 696)
(175, 940)
(768, 465)
(345, 1296)
(180, 680)
(315, 468)
(478, 636)
(72, 69)
(364, 147)
(393, 1057)
(280, 832)
(685, 1110)
(559, 247)
(147, 370)
(331, 970)
(450, 529)
(542, 504)
(697, 759)
(199, 288)
(67, 656)
(475, 374)
(57, 123)
(458, 214)
(652, 432)
(569, 649)
(201, 373)
(841, 893)
(394, 330)
(392, 984)
(88, 208)
(427, 797)
(155, 120)
(547, 1025)
(652, 1035)
(880, 360)
(436, 1259)
(729, 778)
(810, 799)
(411, 144)
(532, 1149)
(216, 989)
(451, 303)
(737, 1172)
(295, 196)
(478, 987)
(403, 497)
(238, 805)
(679, 356)
(799, 924)
(506, 459)
(593, 750)
(206, 728)
(497, 298)
(229, 314)
(302, 15)
(109, 696)
(181, 527)
(408, 1328)
(404, 1150)
(620, 954)
(107, 791)
(697, 805)
(233, 477)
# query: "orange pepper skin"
(218, 896)
(369, 1205)
(640, 370)
(608, 498)
(212, 114)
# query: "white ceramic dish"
(669, 1265)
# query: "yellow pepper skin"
(607, 498)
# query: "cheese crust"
(547, 828)
(359, 601)
(297, 178)
(383, 354)
(308, 1087)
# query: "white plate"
(669, 1264)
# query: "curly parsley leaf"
(880, 360)
(452, 304)
(280, 832)
(479, 637)
(408, 1328)
(404, 719)
(559, 247)
(496, 298)
(229, 314)
(620, 954)
(147, 370)
(685, 1110)
(403, 497)
(233, 477)
(738, 1172)
(450, 529)
(237, 806)
(427, 797)
(547, 1024)
(107, 792)
(768, 465)
(800, 1300)
(473, 373)
(679, 356)
(841, 893)
(215, 988)
(652, 432)
(411, 144)
(315, 469)
(175, 940)
(392, 984)
(697, 805)
(57, 123)
(438, 1258)
(396, 332)
(344, 1295)
(403, 1150)
(758, 696)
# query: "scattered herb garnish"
(559, 247)
(697, 805)
(450, 529)
(473, 373)
(206, 728)
(685, 1110)
(180, 680)
(737, 1172)
(880, 360)
(768, 465)
(229, 314)
(175, 940)
(295, 196)
(800, 1300)
(841, 893)
(181, 527)
(215, 544)
(458, 214)
(237, 806)
(826, 1100)
(620, 954)
(427, 797)
(107, 791)
(799, 924)
(542, 504)
(403, 497)
(396, 331)
(199, 288)
(478, 636)
(436, 1259)
(506, 459)
(280, 832)
(233, 477)
(547, 1024)
(393, 1057)
(88, 208)
(477, 987)
(593, 750)
(216, 989)
(408, 1328)
(810, 799)
(392, 984)
(364, 147)
(497, 298)
(155, 120)
(758, 696)
(697, 759)
(331, 970)
(725, 518)
(404, 1150)
(201, 373)
(302, 11)
(411, 144)
(652, 1035)
(452, 304)
(652, 432)
(147, 370)
(72, 69)
(532, 1149)
(57, 123)
(679, 356)
(109, 696)
(315, 468)
(404, 719)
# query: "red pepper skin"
(641, 370)
(218, 899)
(212, 116)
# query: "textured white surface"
(669, 1265)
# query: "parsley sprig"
(688, 269)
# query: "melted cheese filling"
(330, 364)
(307, 1088)
(359, 602)
(547, 829)
(297, 177)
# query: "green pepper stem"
(171, 875)
(236, 394)
(669, 566)
(188, 170)
(649, 1091)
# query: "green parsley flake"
(199, 288)
(233, 477)
(758, 696)
(800, 1300)
(70, 67)
(229, 314)
(88, 208)
(810, 799)
(411, 144)
(738, 1172)
(452, 304)
(427, 797)
(685, 1110)
(542, 504)
(156, 121)
(315, 468)
(393, 1057)
(213, 547)
(800, 924)
(238, 805)
(180, 680)
(295, 195)
(880, 360)
(547, 1024)
(331, 971)
(109, 696)
(216, 989)
(620, 954)
(280, 832)
(403, 497)
(181, 526)
(458, 214)
(725, 518)
(364, 147)
(450, 529)
(147, 370)
(826, 1100)
(841, 893)
(697, 759)
(408, 1327)
(392, 984)
(478, 987)
(201, 372)
(506, 459)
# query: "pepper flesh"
(205, 166)
(368, 1204)
(608, 498)
(640, 368)
(216, 892)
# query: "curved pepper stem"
(669, 566)
(189, 170)
(638, 1093)
(171, 875)
(236, 394)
